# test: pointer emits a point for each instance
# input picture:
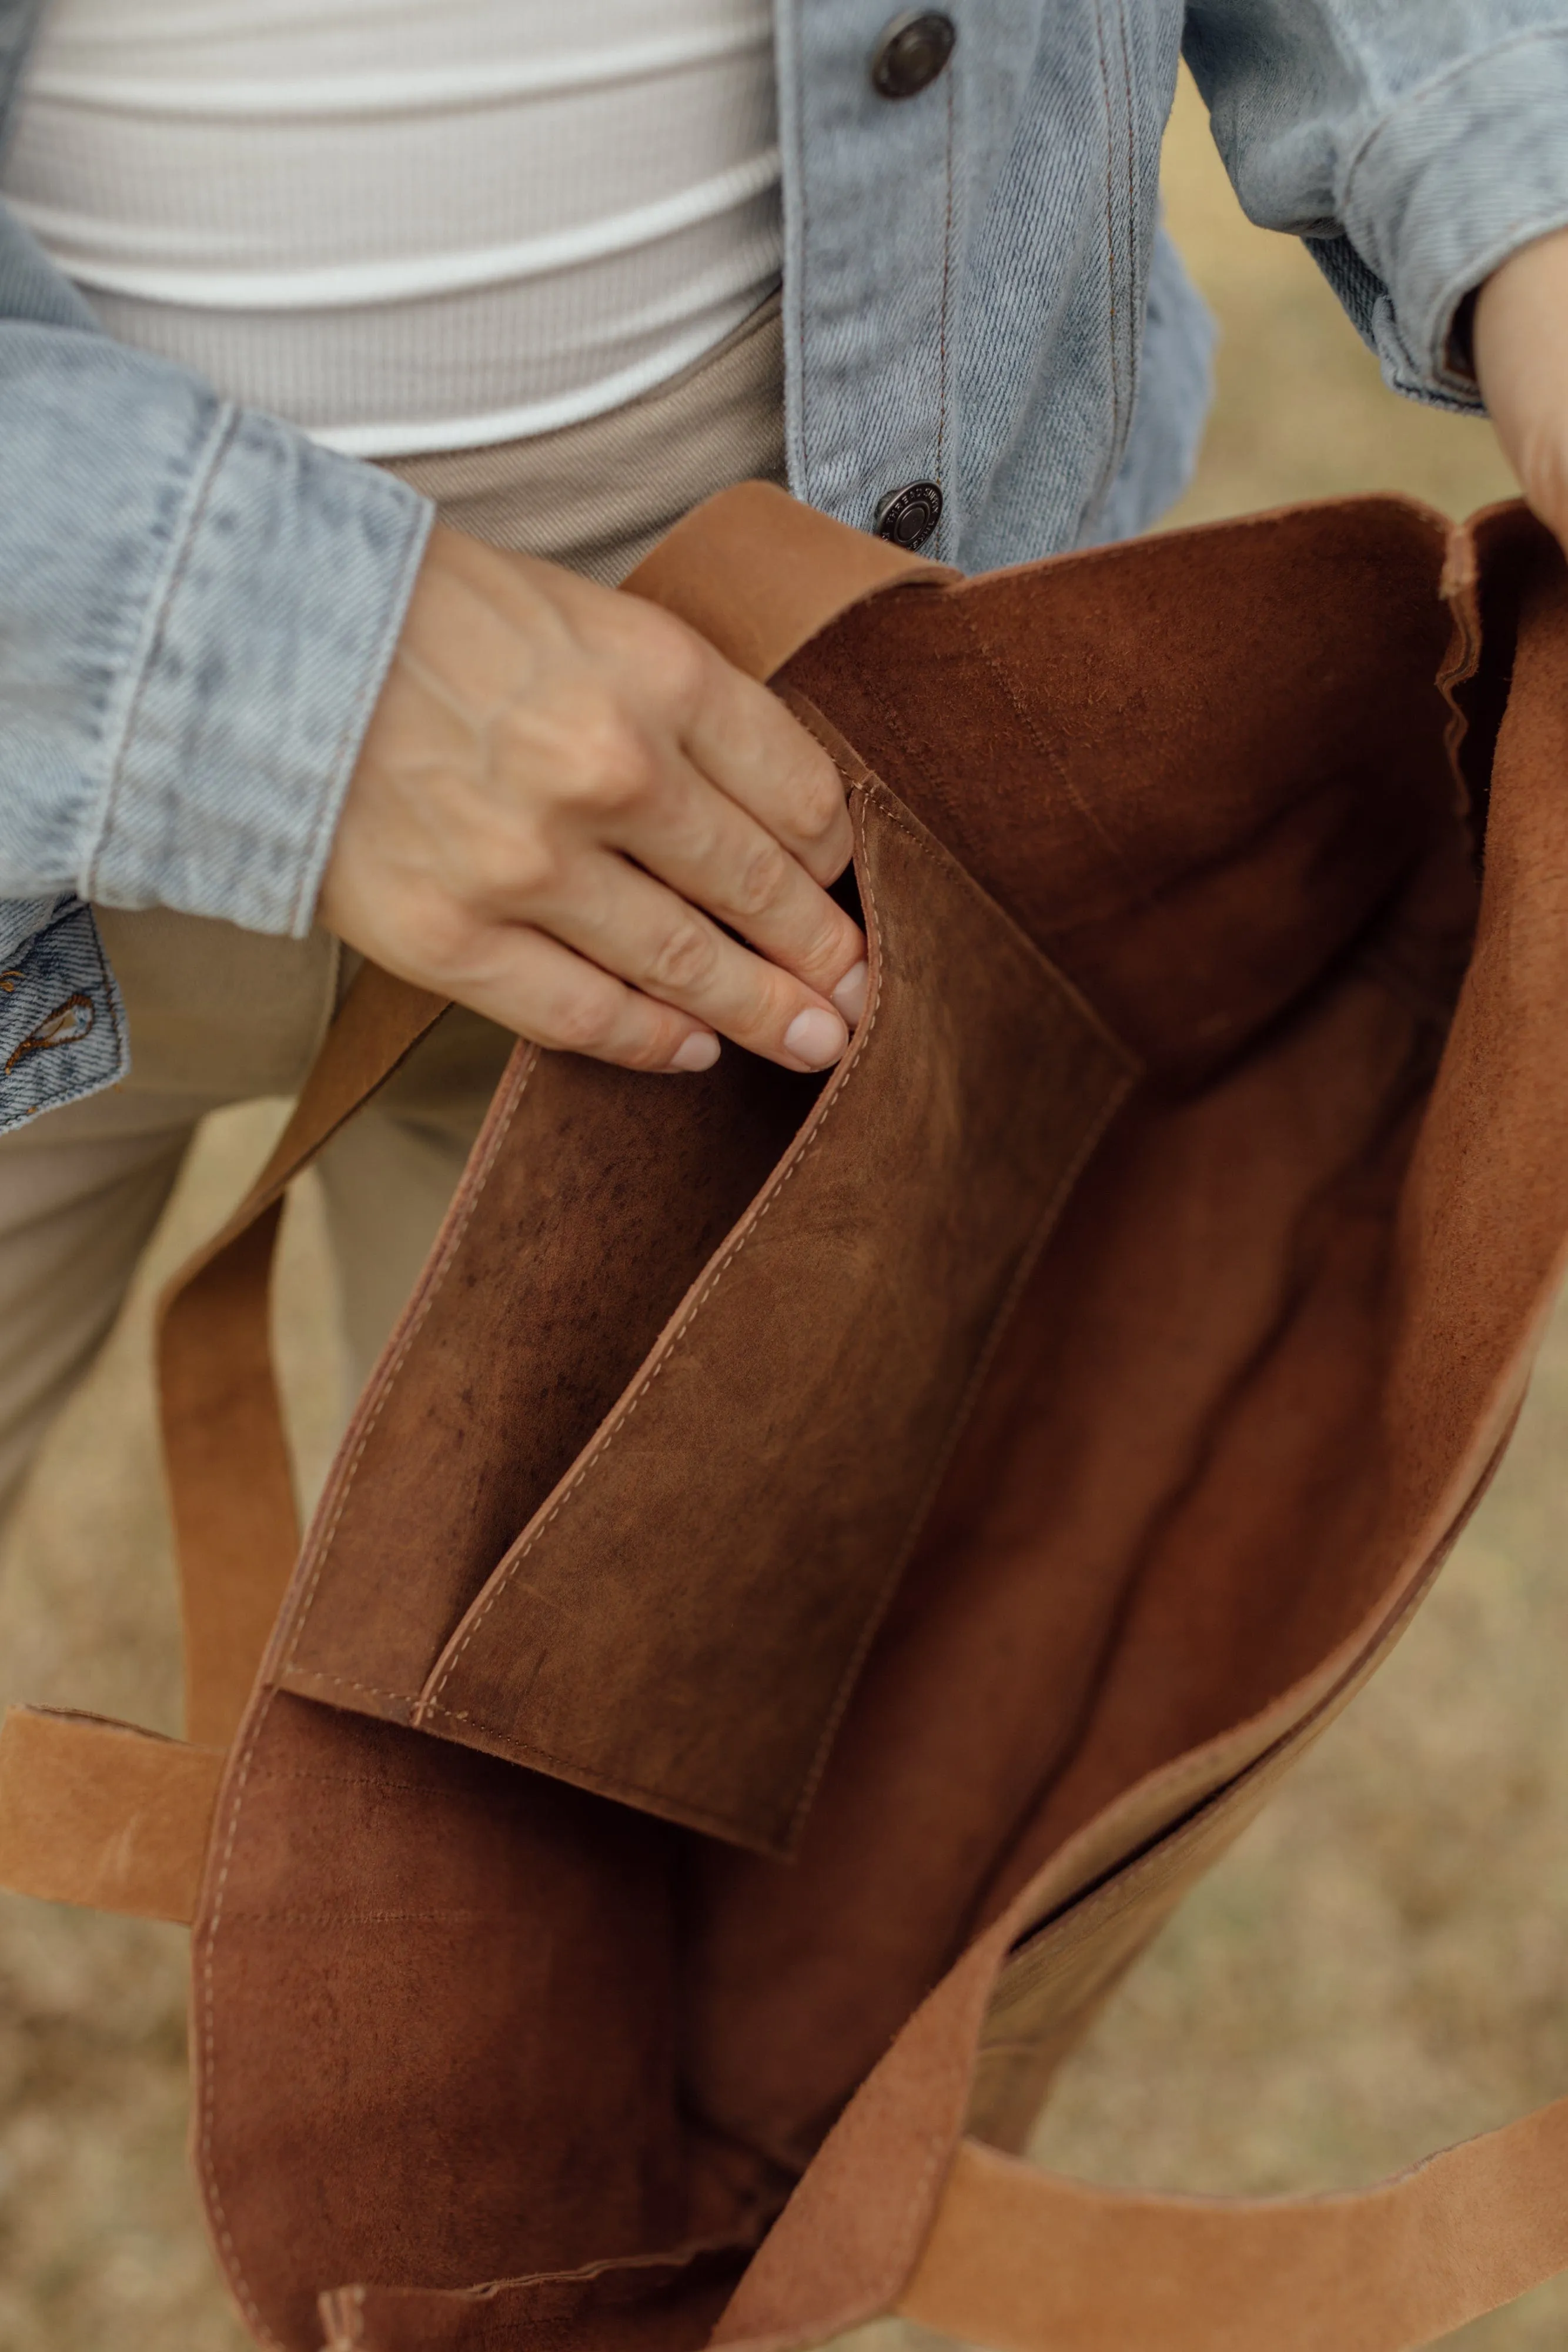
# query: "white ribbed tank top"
(409, 224)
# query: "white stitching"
(237, 2279)
(1121, 1087)
(346, 1682)
(227, 2248)
(437, 1277)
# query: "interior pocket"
(680, 1621)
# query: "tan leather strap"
(103, 1814)
(758, 574)
(230, 1486)
(1028, 2262)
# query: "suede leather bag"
(822, 1565)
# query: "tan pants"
(219, 1016)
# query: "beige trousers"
(218, 1015)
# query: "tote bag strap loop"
(230, 1486)
(1026, 2261)
(759, 575)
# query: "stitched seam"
(917, 748)
(803, 181)
(227, 2249)
(801, 1150)
(122, 1043)
(1116, 1096)
(1027, 1264)
(946, 278)
(1002, 672)
(1534, 37)
(501, 1807)
(1115, 320)
(1132, 150)
(807, 716)
(149, 645)
(347, 1682)
(327, 1918)
(871, 787)
(607, 1782)
(345, 749)
(417, 1322)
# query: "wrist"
(1521, 348)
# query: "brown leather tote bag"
(822, 1565)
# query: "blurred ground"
(1377, 1971)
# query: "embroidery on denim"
(62, 1023)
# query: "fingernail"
(697, 1052)
(816, 1038)
(849, 994)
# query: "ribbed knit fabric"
(598, 495)
(409, 224)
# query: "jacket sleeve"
(197, 608)
(1415, 144)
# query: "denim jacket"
(198, 604)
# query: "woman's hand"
(1520, 344)
(562, 795)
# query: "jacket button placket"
(911, 54)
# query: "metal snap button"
(909, 516)
(912, 52)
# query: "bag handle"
(107, 1814)
(1026, 2261)
(231, 1490)
(758, 574)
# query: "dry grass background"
(1377, 1971)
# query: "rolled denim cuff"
(264, 651)
(63, 1033)
(1467, 168)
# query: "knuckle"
(683, 960)
(618, 772)
(651, 1050)
(765, 998)
(584, 1021)
(819, 802)
(677, 664)
(438, 940)
(829, 946)
(763, 879)
(524, 870)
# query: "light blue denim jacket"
(197, 604)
